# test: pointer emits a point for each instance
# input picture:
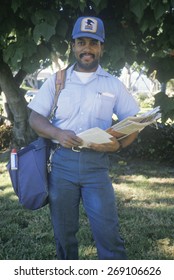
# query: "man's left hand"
(106, 147)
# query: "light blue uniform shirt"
(83, 106)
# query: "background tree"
(32, 32)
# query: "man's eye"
(95, 43)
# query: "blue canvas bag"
(30, 179)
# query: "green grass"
(145, 196)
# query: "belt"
(78, 149)
(55, 146)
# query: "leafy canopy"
(142, 31)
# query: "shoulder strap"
(60, 82)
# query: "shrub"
(153, 144)
(5, 136)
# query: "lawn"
(145, 198)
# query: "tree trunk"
(7, 114)
(21, 130)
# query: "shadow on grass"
(148, 233)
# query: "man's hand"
(114, 133)
(68, 139)
(106, 147)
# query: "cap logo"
(89, 25)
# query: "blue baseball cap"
(91, 27)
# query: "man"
(89, 99)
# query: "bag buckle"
(76, 149)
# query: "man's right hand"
(68, 139)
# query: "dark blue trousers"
(83, 175)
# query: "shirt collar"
(100, 72)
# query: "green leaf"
(29, 47)
(96, 2)
(166, 105)
(17, 56)
(43, 29)
(62, 28)
(43, 51)
(82, 5)
(103, 4)
(9, 52)
(15, 5)
(40, 16)
(72, 3)
(164, 67)
(159, 8)
(138, 7)
(117, 53)
(58, 45)
(148, 22)
(30, 66)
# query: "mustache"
(83, 54)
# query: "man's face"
(87, 52)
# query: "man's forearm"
(128, 139)
(42, 126)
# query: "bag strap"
(60, 83)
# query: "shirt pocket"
(103, 106)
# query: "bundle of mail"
(125, 127)
(132, 124)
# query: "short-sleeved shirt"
(85, 105)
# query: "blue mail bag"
(30, 181)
